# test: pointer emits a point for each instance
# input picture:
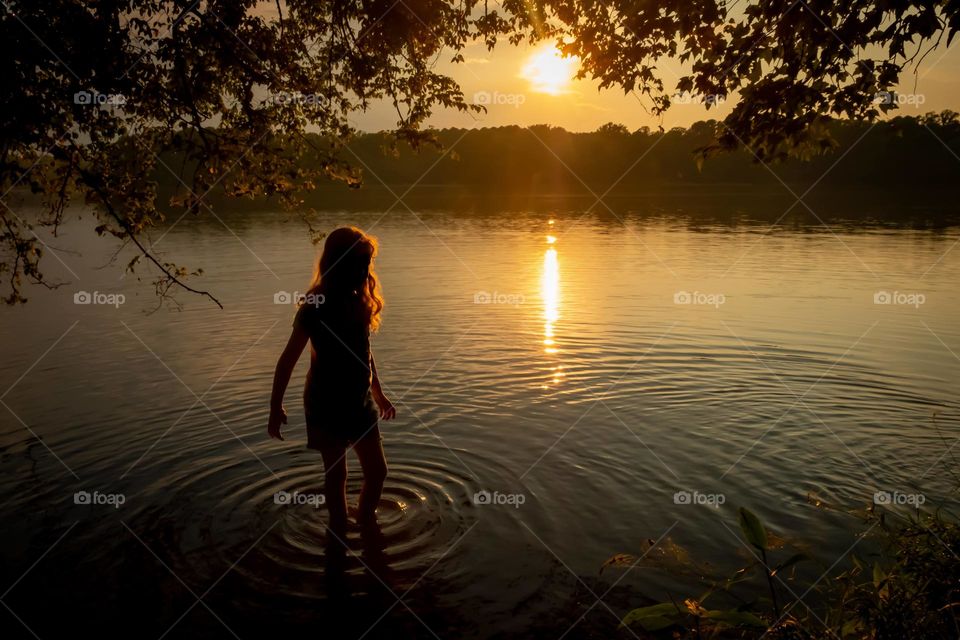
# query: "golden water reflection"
(550, 292)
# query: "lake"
(565, 392)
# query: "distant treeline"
(904, 151)
(906, 167)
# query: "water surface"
(568, 371)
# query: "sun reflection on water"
(550, 292)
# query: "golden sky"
(518, 91)
(526, 85)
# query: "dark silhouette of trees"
(902, 152)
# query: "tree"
(613, 129)
(96, 93)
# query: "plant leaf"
(753, 529)
(878, 576)
(652, 618)
(619, 560)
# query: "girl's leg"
(374, 464)
(335, 486)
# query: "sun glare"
(548, 71)
(550, 292)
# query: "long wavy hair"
(344, 273)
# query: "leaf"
(851, 627)
(663, 555)
(774, 541)
(693, 607)
(753, 529)
(735, 618)
(654, 623)
(619, 560)
(857, 562)
(880, 581)
(652, 618)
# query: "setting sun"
(548, 71)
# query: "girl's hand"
(278, 416)
(387, 410)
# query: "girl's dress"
(337, 399)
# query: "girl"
(342, 397)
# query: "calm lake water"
(594, 379)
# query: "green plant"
(694, 619)
(911, 590)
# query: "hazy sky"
(499, 77)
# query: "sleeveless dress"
(337, 398)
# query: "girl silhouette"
(342, 397)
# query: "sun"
(548, 71)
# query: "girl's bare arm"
(281, 378)
(387, 410)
